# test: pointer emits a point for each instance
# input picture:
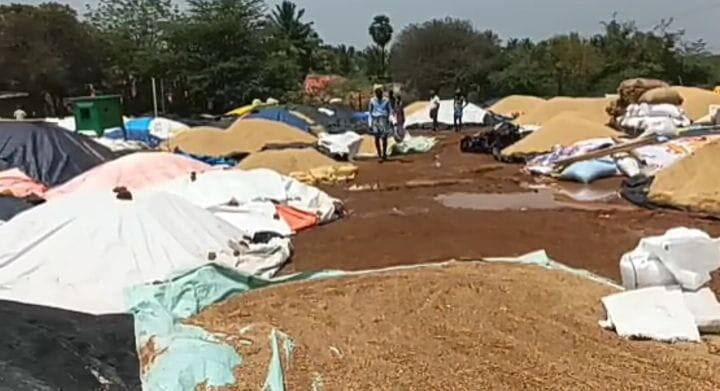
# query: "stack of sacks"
(272, 202)
(666, 297)
(658, 111)
(561, 130)
(243, 137)
(691, 183)
(630, 92)
(81, 253)
(133, 172)
(304, 164)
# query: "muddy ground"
(408, 225)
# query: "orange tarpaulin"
(297, 219)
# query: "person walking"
(380, 109)
(459, 104)
(399, 119)
(19, 114)
(434, 108)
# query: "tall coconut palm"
(287, 20)
(381, 32)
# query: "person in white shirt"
(434, 108)
(19, 114)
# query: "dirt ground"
(460, 327)
(408, 226)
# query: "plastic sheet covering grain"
(48, 349)
(47, 153)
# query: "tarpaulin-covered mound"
(692, 183)
(458, 327)
(244, 136)
(48, 153)
(516, 104)
(14, 183)
(333, 119)
(472, 115)
(298, 163)
(80, 253)
(223, 187)
(697, 101)
(11, 206)
(50, 349)
(564, 130)
(281, 114)
(134, 172)
(591, 109)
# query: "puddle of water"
(589, 195)
(542, 199)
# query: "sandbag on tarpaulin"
(48, 349)
(47, 153)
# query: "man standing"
(459, 104)
(380, 108)
(434, 108)
(19, 114)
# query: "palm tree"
(287, 20)
(381, 32)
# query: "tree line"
(214, 55)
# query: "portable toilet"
(97, 113)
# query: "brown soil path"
(408, 226)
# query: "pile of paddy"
(516, 105)
(590, 109)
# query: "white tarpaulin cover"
(472, 114)
(657, 313)
(344, 144)
(689, 255)
(217, 188)
(80, 253)
(705, 308)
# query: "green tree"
(574, 63)
(444, 55)
(48, 52)
(136, 33)
(228, 57)
(381, 32)
(286, 22)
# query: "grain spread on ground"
(516, 105)
(697, 101)
(462, 327)
(243, 136)
(693, 183)
(414, 107)
(564, 129)
(591, 109)
(304, 164)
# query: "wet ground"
(469, 207)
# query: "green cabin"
(97, 113)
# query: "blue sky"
(346, 21)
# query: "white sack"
(657, 313)
(347, 144)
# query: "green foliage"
(46, 51)
(381, 32)
(444, 55)
(286, 23)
